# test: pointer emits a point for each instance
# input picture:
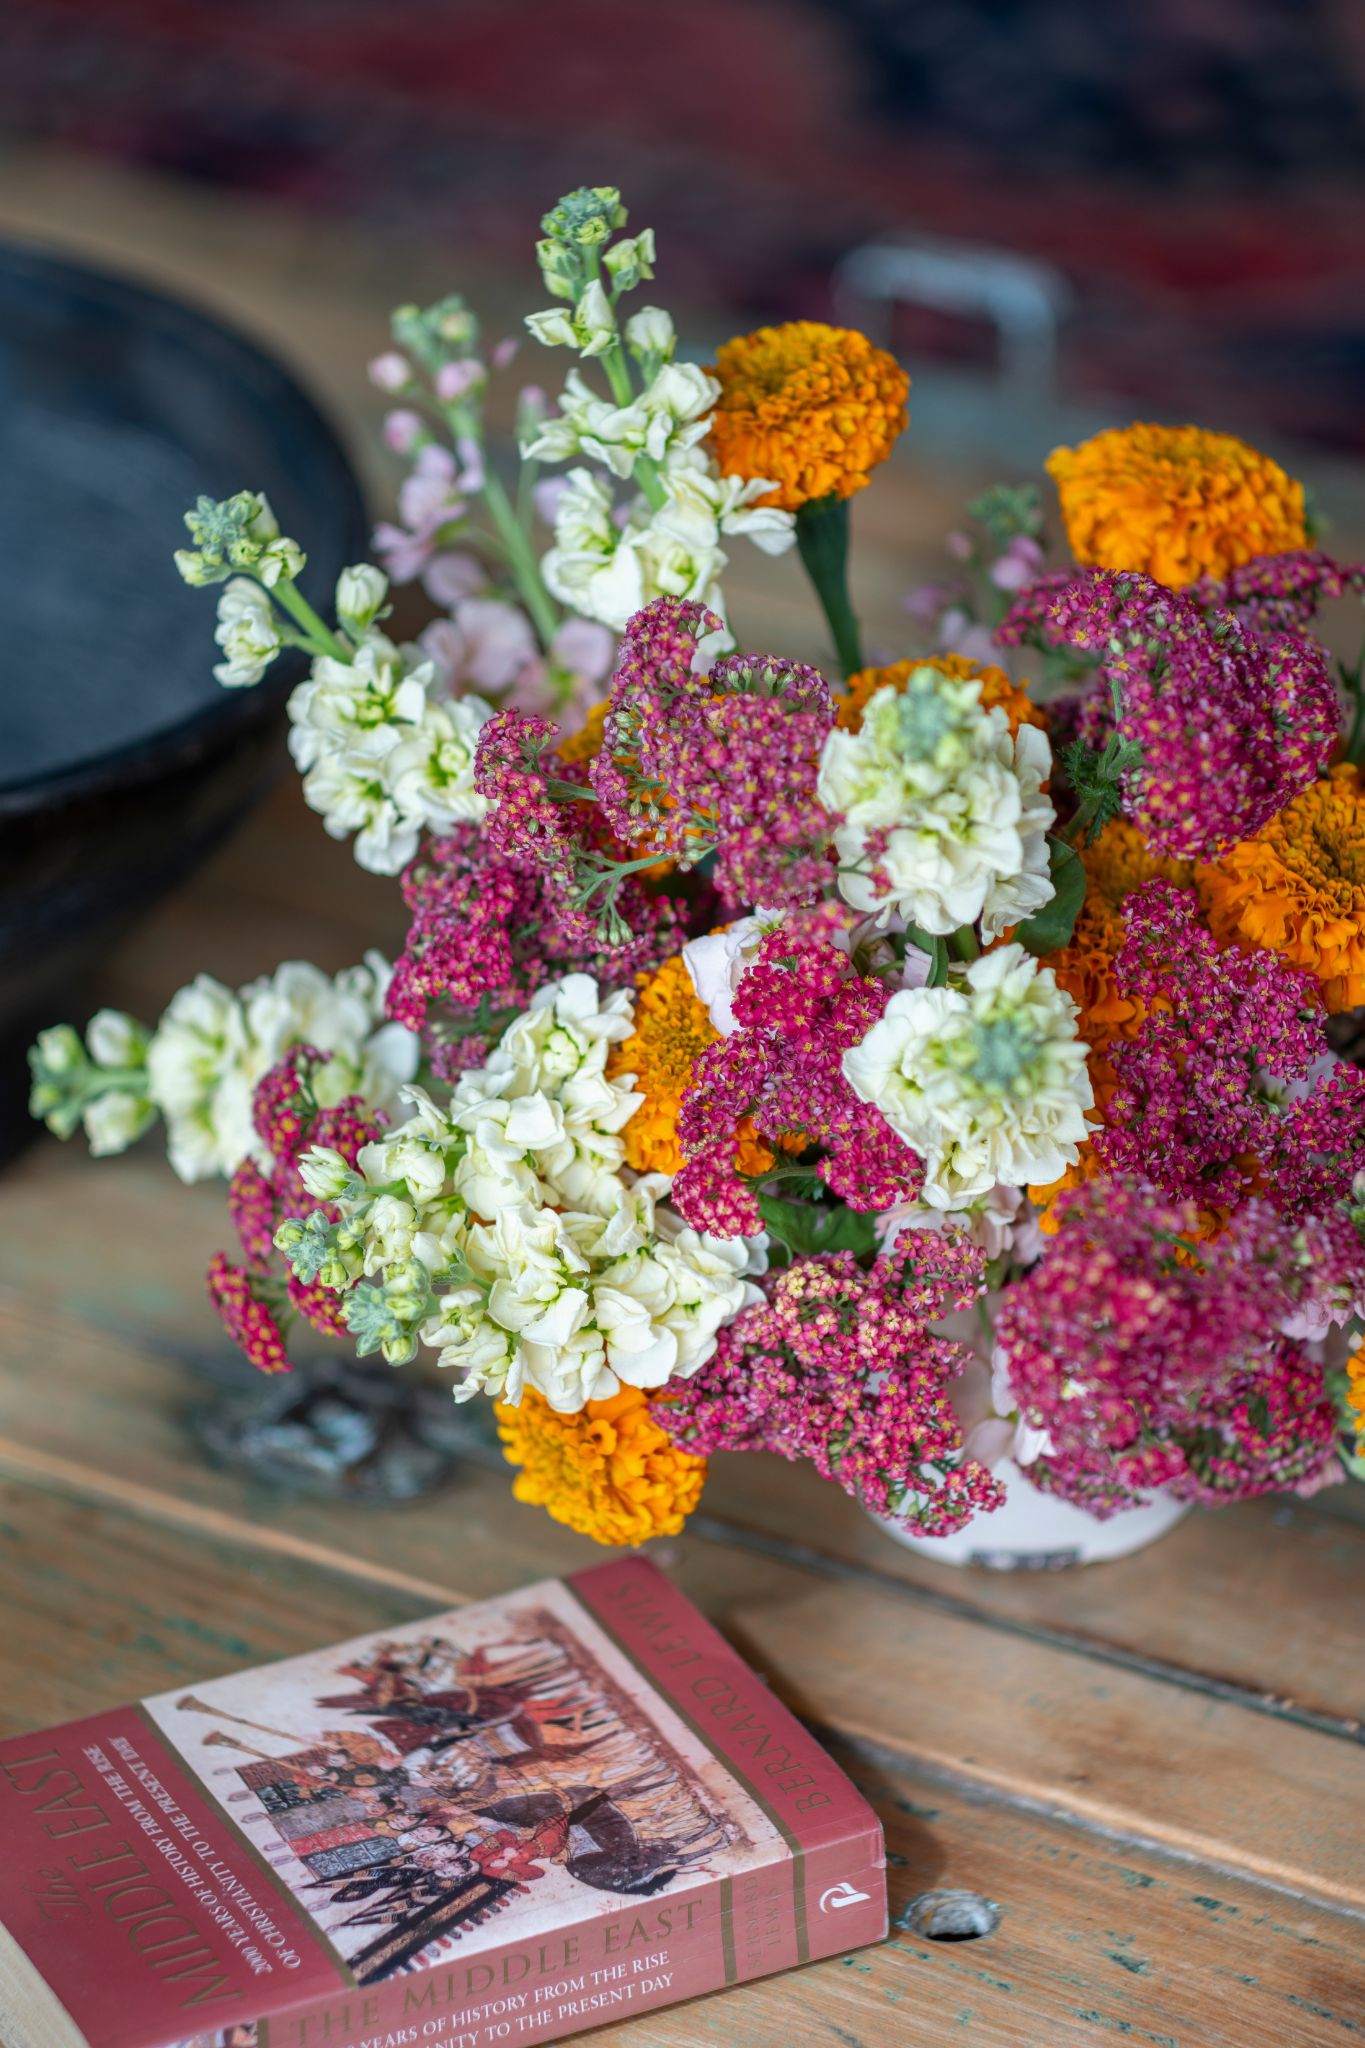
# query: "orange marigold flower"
(1177, 503)
(671, 1030)
(996, 688)
(1115, 864)
(1355, 1392)
(1046, 1199)
(813, 408)
(610, 1471)
(1207, 1224)
(1298, 887)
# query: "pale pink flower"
(390, 371)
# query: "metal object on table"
(337, 1429)
(1024, 300)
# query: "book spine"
(648, 1957)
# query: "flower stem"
(320, 637)
(822, 541)
(521, 559)
(963, 944)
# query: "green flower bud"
(586, 218)
(631, 261)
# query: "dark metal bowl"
(122, 760)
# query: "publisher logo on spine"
(841, 1895)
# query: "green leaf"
(804, 1229)
(1053, 925)
(936, 948)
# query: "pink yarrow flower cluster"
(842, 1366)
(257, 1302)
(1229, 726)
(799, 1006)
(1281, 593)
(725, 760)
(1152, 1361)
(488, 929)
(1227, 1088)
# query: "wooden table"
(1153, 1767)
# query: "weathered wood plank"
(1094, 1938)
(1035, 1721)
(1195, 1604)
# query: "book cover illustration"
(466, 1782)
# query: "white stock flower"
(115, 1121)
(670, 415)
(716, 963)
(956, 804)
(589, 568)
(348, 791)
(696, 491)
(650, 332)
(213, 1044)
(431, 772)
(382, 756)
(550, 1266)
(986, 1081)
(363, 705)
(114, 1039)
(247, 633)
(590, 328)
(360, 594)
(591, 1303)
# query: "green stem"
(521, 559)
(646, 472)
(1070, 833)
(963, 944)
(320, 636)
(822, 541)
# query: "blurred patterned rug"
(1196, 171)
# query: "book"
(503, 1824)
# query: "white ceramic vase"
(1034, 1531)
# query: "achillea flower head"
(1272, 1430)
(251, 1204)
(488, 929)
(513, 777)
(1144, 1363)
(1220, 1091)
(940, 814)
(283, 1104)
(1298, 887)
(671, 1032)
(799, 1008)
(1280, 593)
(251, 1303)
(996, 689)
(1175, 503)
(320, 1307)
(842, 1367)
(1224, 727)
(726, 760)
(248, 1320)
(986, 1080)
(811, 409)
(1116, 863)
(610, 1471)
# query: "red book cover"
(506, 1823)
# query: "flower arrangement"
(776, 1051)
